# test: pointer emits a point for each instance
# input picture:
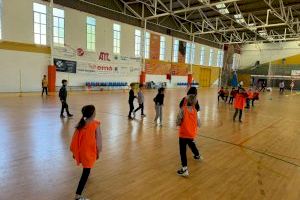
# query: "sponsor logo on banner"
(65, 65)
(64, 52)
(104, 56)
(80, 52)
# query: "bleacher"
(106, 85)
(185, 84)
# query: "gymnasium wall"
(268, 52)
(31, 61)
(22, 71)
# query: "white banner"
(99, 62)
(295, 73)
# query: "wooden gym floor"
(259, 159)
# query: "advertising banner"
(65, 65)
(98, 62)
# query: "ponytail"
(81, 123)
(87, 112)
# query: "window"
(211, 57)
(193, 54)
(220, 58)
(162, 48)
(137, 40)
(175, 50)
(236, 61)
(116, 38)
(0, 19)
(189, 53)
(202, 55)
(91, 33)
(40, 23)
(147, 45)
(58, 26)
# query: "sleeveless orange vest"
(250, 95)
(239, 101)
(188, 127)
(84, 145)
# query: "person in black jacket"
(63, 99)
(183, 102)
(130, 101)
(159, 102)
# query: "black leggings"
(236, 112)
(182, 146)
(45, 89)
(83, 180)
(131, 108)
(64, 106)
(231, 100)
(141, 106)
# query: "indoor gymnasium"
(150, 99)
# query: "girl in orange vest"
(183, 102)
(86, 145)
(188, 121)
(239, 103)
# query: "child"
(226, 94)
(232, 95)
(183, 102)
(159, 102)
(249, 98)
(188, 121)
(281, 87)
(130, 101)
(63, 98)
(86, 145)
(292, 85)
(141, 99)
(255, 97)
(221, 94)
(239, 103)
(45, 85)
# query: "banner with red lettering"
(99, 62)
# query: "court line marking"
(260, 131)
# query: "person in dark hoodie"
(159, 102)
(130, 102)
(63, 99)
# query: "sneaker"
(143, 115)
(80, 198)
(240, 121)
(130, 118)
(133, 114)
(183, 172)
(62, 116)
(198, 157)
(70, 115)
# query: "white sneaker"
(183, 172)
(198, 157)
(81, 198)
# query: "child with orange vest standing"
(188, 121)
(239, 103)
(86, 145)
